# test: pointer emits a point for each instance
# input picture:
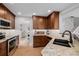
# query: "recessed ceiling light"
(34, 13)
(49, 10)
(19, 13)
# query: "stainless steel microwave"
(4, 24)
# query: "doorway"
(26, 33)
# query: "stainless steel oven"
(11, 45)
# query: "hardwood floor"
(28, 51)
(25, 50)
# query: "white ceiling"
(27, 9)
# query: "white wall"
(66, 22)
(28, 22)
(76, 22)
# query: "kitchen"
(37, 27)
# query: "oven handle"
(11, 39)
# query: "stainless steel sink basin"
(61, 42)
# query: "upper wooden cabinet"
(2, 12)
(56, 20)
(39, 22)
(49, 22)
(53, 20)
(5, 13)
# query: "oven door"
(11, 45)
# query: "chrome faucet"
(70, 39)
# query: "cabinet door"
(40, 41)
(1, 11)
(6, 14)
(56, 20)
(12, 18)
(53, 20)
(46, 23)
(37, 41)
(39, 22)
(45, 40)
(3, 48)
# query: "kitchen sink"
(61, 42)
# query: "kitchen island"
(57, 50)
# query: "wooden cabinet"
(56, 20)
(6, 14)
(12, 18)
(53, 20)
(39, 22)
(1, 11)
(3, 48)
(49, 22)
(40, 41)
(4, 51)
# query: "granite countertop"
(2, 40)
(7, 37)
(42, 35)
(39, 35)
(57, 50)
(9, 34)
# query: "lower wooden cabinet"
(3, 48)
(40, 41)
